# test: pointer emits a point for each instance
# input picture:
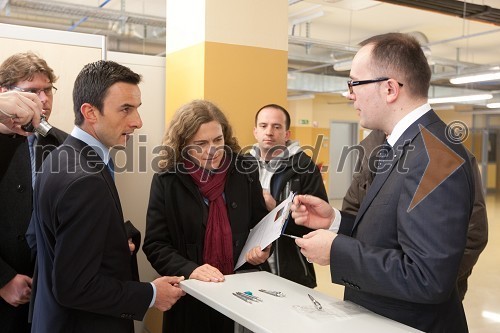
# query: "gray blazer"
(402, 263)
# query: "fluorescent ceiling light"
(300, 97)
(476, 78)
(307, 18)
(342, 65)
(493, 105)
(459, 99)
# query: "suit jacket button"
(234, 204)
(20, 188)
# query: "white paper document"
(267, 230)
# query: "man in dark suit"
(85, 268)
(399, 257)
(28, 76)
(477, 233)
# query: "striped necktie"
(32, 140)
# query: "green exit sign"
(304, 121)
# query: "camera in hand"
(42, 129)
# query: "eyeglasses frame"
(352, 83)
(51, 90)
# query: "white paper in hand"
(267, 230)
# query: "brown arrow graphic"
(443, 162)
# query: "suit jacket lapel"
(95, 165)
(45, 145)
(399, 148)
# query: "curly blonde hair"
(186, 121)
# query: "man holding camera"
(20, 157)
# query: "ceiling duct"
(89, 11)
(126, 31)
(456, 8)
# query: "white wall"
(65, 52)
(134, 183)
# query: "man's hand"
(131, 246)
(167, 291)
(312, 212)
(316, 245)
(256, 256)
(17, 291)
(207, 273)
(268, 198)
(19, 108)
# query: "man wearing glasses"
(20, 157)
(399, 256)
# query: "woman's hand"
(207, 273)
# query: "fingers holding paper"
(312, 212)
(316, 245)
(256, 256)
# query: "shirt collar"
(101, 149)
(406, 122)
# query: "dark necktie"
(111, 168)
(384, 157)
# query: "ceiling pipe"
(92, 12)
(83, 19)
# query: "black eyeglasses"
(49, 91)
(352, 83)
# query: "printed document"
(268, 229)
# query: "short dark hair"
(401, 55)
(277, 107)
(93, 82)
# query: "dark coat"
(175, 231)
(15, 212)
(297, 174)
(401, 261)
(85, 269)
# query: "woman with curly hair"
(202, 205)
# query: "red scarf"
(218, 248)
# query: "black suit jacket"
(15, 213)
(85, 277)
(402, 263)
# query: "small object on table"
(317, 304)
(274, 293)
(242, 298)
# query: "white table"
(293, 313)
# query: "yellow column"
(233, 53)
